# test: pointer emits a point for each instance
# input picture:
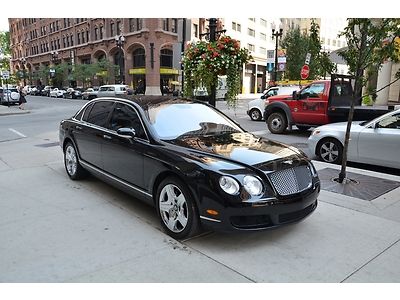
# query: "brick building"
(142, 48)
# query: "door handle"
(78, 127)
(107, 137)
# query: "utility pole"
(277, 35)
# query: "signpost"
(305, 71)
(6, 75)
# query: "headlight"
(252, 185)
(229, 185)
(313, 170)
(315, 132)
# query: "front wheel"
(277, 123)
(177, 209)
(330, 150)
(255, 114)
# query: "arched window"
(166, 58)
(139, 58)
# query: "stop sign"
(305, 71)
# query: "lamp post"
(54, 57)
(213, 35)
(120, 39)
(23, 62)
(277, 34)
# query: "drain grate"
(358, 186)
(47, 145)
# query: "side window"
(103, 88)
(390, 122)
(124, 116)
(313, 91)
(111, 88)
(99, 113)
(86, 112)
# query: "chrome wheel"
(173, 208)
(71, 162)
(330, 152)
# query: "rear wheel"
(277, 122)
(74, 169)
(176, 209)
(255, 114)
(330, 150)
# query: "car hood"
(341, 126)
(242, 148)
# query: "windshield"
(173, 120)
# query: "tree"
(296, 45)
(369, 42)
(5, 52)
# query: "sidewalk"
(12, 110)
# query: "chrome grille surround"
(291, 181)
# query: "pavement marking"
(260, 132)
(17, 132)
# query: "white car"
(113, 90)
(57, 93)
(90, 93)
(9, 96)
(256, 107)
(375, 142)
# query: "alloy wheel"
(329, 152)
(71, 161)
(173, 208)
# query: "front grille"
(291, 181)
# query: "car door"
(89, 134)
(122, 155)
(310, 108)
(379, 143)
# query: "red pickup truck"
(320, 102)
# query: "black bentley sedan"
(193, 163)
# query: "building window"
(101, 32)
(252, 19)
(87, 36)
(263, 36)
(83, 37)
(131, 25)
(263, 50)
(251, 47)
(96, 33)
(58, 44)
(233, 26)
(174, 25)
(118, 27)
(251, 32)
(328, 42)
(138, 58)
(64, 42)
(333, 42)
(112, 29)
(239, 27)
(78, 38)
(72, 40)
(166, 58)
(263, 22)
(139, 23)
(165, 24)
(196, 30)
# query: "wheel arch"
(278, 107)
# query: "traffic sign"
(308, 57)
(305, 71)
(6, 74)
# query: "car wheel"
(277, 122)
(74, 169)
(255, 114)
(330, 150)
(176, 209)
(303, 128)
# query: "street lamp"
(23, 62)
(276, 34)
(120, 39)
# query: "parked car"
(375, 142)
(9, 96)
(72, 93)
(197, 166)
(57, 93)
(256, 107)
(46, 90)
(90, 93)
(112, 90)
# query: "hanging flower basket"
(204, 61)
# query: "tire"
(303, 128)
(330, 150)
(177, 209)
(277, 123)
(255, 114)
(74, 169)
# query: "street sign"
(6, 74)
(305, 71)
(281, 67)
(308, 58)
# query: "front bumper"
(259, 216)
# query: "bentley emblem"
(288, 162)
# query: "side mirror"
(127, 132)
(295, 95)
(263, 97)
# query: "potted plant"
(204, 61)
